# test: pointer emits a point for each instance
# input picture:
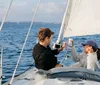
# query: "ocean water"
(13, 36)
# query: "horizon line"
(29, 21)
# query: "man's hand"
(63, 46)
(59, 65)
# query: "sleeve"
(76, 65)
(75, 56)
(55, 52)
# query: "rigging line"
(25, 42)
(67, 55)
(6, 15)
(1, 66)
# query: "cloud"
(51, 12)
(52, 7)
(20, 11)
(23, 10)
(2, 9)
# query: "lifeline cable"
(24, 43)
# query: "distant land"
(34, 22)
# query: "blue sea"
(12, 37)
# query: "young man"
(88, 59)
(43, 55)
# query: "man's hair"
(43, 33)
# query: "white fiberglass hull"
(30, 77)
(66, 82)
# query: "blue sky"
(23, 10)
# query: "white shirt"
(92, 62)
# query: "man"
(88, 59)
(43, 55)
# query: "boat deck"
(31, 77)
(27, 78)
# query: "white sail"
(65, 18)
(84, 18)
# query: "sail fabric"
(84, 18)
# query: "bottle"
(70, 42)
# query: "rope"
(65, 57)
(6, 15)
(24, 44)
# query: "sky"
(23, 10)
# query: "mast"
(65, 19)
